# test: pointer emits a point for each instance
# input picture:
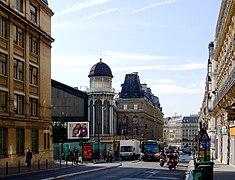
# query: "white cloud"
(177, 89)
(134, 56)
(151, 6)
(62, 24)
(99, 13)
(114, 60)
(79, 6)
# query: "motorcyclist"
(162, 155)
(172, 159)
(176, 156)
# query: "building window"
(33, 107)
(46, 140)
(18, 104)
(135, 131)
(33, 13)
(34, 140)
(18, 4)
(135, 120)
(33, 75)
(3, 64)
(125, 106)
(3, 142)
(125, 120)
(33, 44)
(3, 101)
(18, 70)
(135, 106)
(124, 131)
(20, 141)
(3, 29)
(18, 36)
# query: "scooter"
(162, 162)
(171, 162)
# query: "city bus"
(150, 150)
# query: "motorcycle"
(171, 162)
(162, 160)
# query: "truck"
(129, 149)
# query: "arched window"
(98, 117)
(106, 117)
(91, 116)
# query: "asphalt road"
(123, 170)
(136, 170)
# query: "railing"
(230, 81)
(222, 26)
(112, 90)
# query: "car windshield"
(126, 149)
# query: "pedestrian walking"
(98, 155)
(28, 158)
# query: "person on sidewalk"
(109, 156)
(28, 158)
(98, 155)
(76, 156)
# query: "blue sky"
(165, 41)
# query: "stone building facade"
(218, 106)
(181, 131)
(173, 131)
(25, 81)
(139, 113)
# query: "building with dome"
(101, 106)
(25, 81)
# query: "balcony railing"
(225, 88)
(112, 90)
(222, 25)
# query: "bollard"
(46, 164)
(38, 165)
(60, 162)
(18, 166)
(6, 168)
(66, 162)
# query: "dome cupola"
(100, 69)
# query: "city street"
(137, 170)
(117, 170)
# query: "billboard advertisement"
(78, 130)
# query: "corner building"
(25, 81)
(139, 112)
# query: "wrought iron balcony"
(230, 81)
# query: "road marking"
(170, 178)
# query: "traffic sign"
(204, 137)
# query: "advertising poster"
(87, 152)
(78, 130)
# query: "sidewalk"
(220, 171)
(56, 165)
